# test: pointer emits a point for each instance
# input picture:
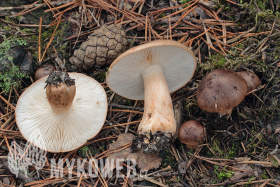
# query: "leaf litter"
(237, 35)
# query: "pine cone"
(102, 47)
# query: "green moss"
(6, 44)
(8, 19)
(84, 149)
(262, 4)
(232, 151)
(102, 76)
(184, 2)
(12, 77)
(223, 173)
(169, 160)
(26, 30)
(162, 15)
(229, 153)
(177, 179)
(7, 28)
(87, 150)
(249, 181)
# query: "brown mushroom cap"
(221, 90)
(252, 80)
(192, 133)
(44, 71)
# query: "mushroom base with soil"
(158, 110)
(151, 143)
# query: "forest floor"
(231, 34)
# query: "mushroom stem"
(158, 110)
(189, 146)
(60, 97)
(226, 112)
(60, 91)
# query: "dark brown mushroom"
(220, 91)
(192, 134)
(44, 71)
(251, 79)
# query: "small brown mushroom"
(220, 91)
(192, 134)
(251, 79)
(44, 71)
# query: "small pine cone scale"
(102, 47)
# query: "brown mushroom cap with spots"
(220, 91)
(252, 80)
(66, 113)
(150, 72)
(192, 134)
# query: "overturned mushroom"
(252, 80)
(150, 72)
(220, 91)
(192, 134)
(71, 110)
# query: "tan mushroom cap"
(62, 133)
(252, 80)
(178, 62)
(221, 90)
(192, 133)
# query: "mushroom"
(69, 112)
(150, 72)
(251, 79)
(44, 71)
(220, 91)
(192, 134)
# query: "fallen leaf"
(149, 161)
(6, 180)
(274, 160)
(123, 139)
(143, 160)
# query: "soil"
(241, 150)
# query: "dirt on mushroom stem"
(60, 91)
(151, 143)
